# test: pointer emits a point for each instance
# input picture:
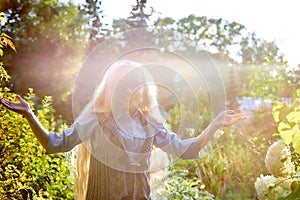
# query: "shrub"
(282, 159)
(25, 170)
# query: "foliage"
(91, 10)
(211, 34)
(295, 187)
(227, 169)
(232, 89)
(26, 172)
(50, 39)
(284, 181)
(4, 38)
(257, 51)
(281, 182)
(181, 118)
(272, 81)
(178, 187)
(139, 17)
(44, 15)
(221, 36)
(223, 172)
(4, 41)
(59, 39)
(288, 119)
(53, 35)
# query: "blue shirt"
(163, 138)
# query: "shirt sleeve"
(170, 143)
(69, 138)
(62, 142)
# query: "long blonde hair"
(102, 102)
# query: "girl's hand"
(227, 118)
(21, 108)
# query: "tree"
(5, 40)
(214, 35)
(139, 17)
(91, 10)
(50, 39)
(257, 51)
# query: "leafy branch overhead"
(2, 18)
(4, 41)
(4, 38)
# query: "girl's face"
(136, 100)
(129, 92)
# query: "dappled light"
(143, 107)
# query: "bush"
(182, 183)
(223, 172)
(26, 172)
(227, 170)
(282, 159)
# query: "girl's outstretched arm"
(23, 108)
(224, 119)
(189, 148)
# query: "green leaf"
(284, 126)
(292, 196)
(294, 117)
(10, 43)
(286, 132)
(2, 19)
(276, 111)
(296, 142)
(283, 112)
(5, 35)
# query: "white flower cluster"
(278, 160)
(278, 184)
(269, 187)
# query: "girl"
(116, 132)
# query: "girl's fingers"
(235, 119)
(4, 101)
(6, 104)
(227, 118)
(232, 122)
(242, 116)
(239, 116)
(229, 111)
(22, 101)
(19, 98)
